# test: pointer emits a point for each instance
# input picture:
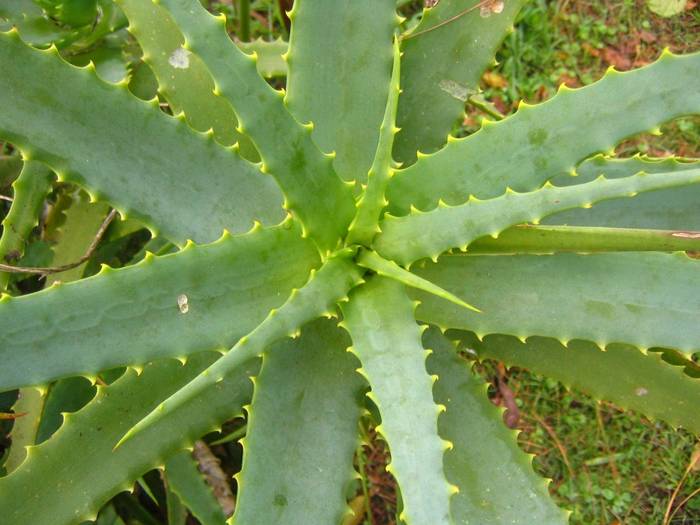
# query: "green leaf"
(428, 234)
(30, 190)
(315, 299)
(497, 485)
(671, 209)
(313, 192)
(369, 208)
(390, 269)
(72, 489)
(303, 427)
(185, 480)
(177, 513)
(342, 88)
(207, 187)
(550, 139)
(270, 61)
(443, 59)
(643, 299)
(227, 287)
(30, 402)
(641, 381)
(667, 8)
(387, 340)
(527, 238)
(187, 89)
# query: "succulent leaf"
(670, 209)
(185, 480)
(642, 299)
(444, 57)
(411, 237)
(642, 381)
(550, 139)
(30, 189)
(313, 191)
(73, 489)
(120, 166)
(315, 299)
(497, 485)
(342, 88)
(387, 340)
(79, 328)
(304, 415)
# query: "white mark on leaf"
(456, 90)
(492, 7)
(180, 59)
(182, 303)
(641, 391)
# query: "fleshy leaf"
(201, 298)
(207, 187)
(342, 88)
(641, 381)
(497, 485)
(72, 489)
(643, 299)
(550, 139)
(313, 191)
(315, 299)
(443, 59)
(303, 426)
(671, 209)
(428, 234)
(387, 340)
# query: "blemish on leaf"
(641, 391)
(456, 90)
(280, 500)
(491, 7)
(183, 304)
(686, 235)
(180, 59)
(537, 136)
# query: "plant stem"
(244, 20)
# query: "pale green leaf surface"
(369, 208)
(522, 152)
(303, 426)
(372, 261)
(670, 209)
(30, 402)
(80, 328)
(30, 190)
(387, 340)
(642, 299)
(339, 66)
(194, 192)
(428, 234)
(528, 238)
(442, 68)
(185, 480)
(667, 8)
(72, 489)
(316, 298)
(622, 374)
(189, 89)
(270, 62)
(313, 191)
(497, 485)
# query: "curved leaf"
(207, 187)
(80, 328)
(641, 381)
(523, 152)
(411, 237)
(497, 485)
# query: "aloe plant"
(340, 247)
